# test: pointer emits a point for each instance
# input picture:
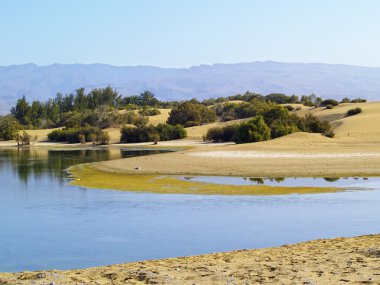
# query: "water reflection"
(34, 163)
(290, 181)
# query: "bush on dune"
(354, 111)
(80, 135)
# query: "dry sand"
(299, 154)
(329, 261)
(355, 151)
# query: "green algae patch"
(87, 176)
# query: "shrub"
(82, 138)
(139, 134)
(329, 134)
(9, 127)
(358, 100)
(353, 111)
(215, 134)
(191, 114)
(150, 133)
(315, 125)
(253, 130)
(345, 100)
(329, 106)
(289, 107)
(76, 135)
(220, 134)
(149, 112)
(104, 138)
(329, 102)
(169, 132)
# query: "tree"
(22, 111)
(9, 127)
(147, 98)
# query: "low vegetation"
(354, 111)
(150, 133)
(190, 114)
(270, 122)
(83, 117)
(9, 127)
(80, 135)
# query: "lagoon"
(47, 224)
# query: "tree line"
(82, 116)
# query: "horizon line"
(188, 67)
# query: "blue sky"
(172, 33)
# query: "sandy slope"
(354, 151)
(333, 261)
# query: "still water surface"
(46, 224)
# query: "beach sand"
(327, 261)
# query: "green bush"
(221, 134)
(253, 130)
(358, 100)
(139, 134)
(169, 132)
(191, 114)
(151, 133)
(329, 102)
(76, 135)
(149, 112)
(329, 106)
(353, 111)
(9, 127)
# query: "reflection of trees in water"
(27, 162)
(331, 179)
(260, 181)
(36, 163)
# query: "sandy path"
(335, 261)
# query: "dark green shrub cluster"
(358, 100)
(191, 114)
(221, 134)
(289, 107)
(149, 112)
(102, 118)
(329, 106)
(331, 102)
(80, 135)
(150, 133)
(9, 127)
(273, 123)
(354, 111)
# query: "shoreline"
(321, 261)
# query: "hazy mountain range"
(204, 81)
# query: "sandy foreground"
(327, 261)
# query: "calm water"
(45, 223)
(347, 182)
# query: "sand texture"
(332, 261)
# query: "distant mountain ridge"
(204, 81)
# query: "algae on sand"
(88, 176)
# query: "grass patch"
(87, 176)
